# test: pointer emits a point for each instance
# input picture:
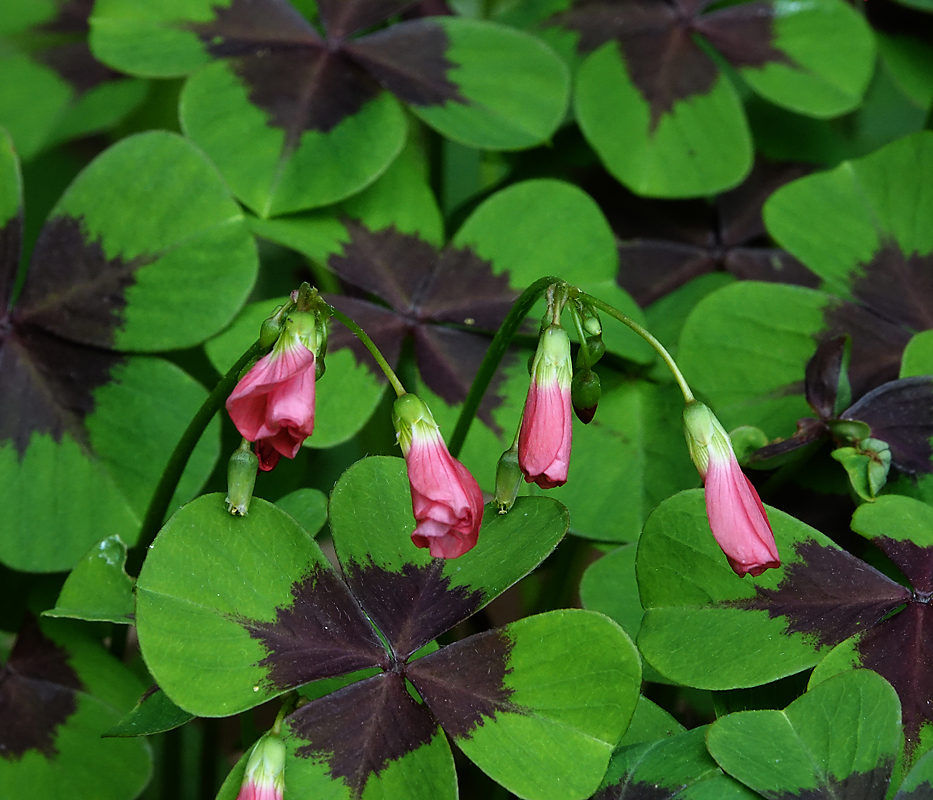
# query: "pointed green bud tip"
(271, 329)
(265, 768)
(241, 478)
(508, 480)
(409, 412)
(705, 436)
(585, 392)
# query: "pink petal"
(738, 519)
(545, 437)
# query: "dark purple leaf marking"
(808, 431)
(870, 785)
(923, 791)
(11, 245)
(323, 633)
(430, 291)
(72, 17)
(637, 791)
(287, 68)
(900, 649)
(893, 300)
(360, 729)
(743, 34)
(411, 607)
(410, 60)
(386, 328)
(901, 413)
(827, 595)
(666, 243)
(914, 561)
(72, 288)
(75, 64)
(464, 683)
(48, 385)
(343, 17)
(657, 43)
(37, 694)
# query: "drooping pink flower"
(547, 430)
(264, 778)
(736, 516)
(445, 497)
(273, 404)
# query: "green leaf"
(841, 737)
(918, 356)
(151, 39)
(701, 147)
(649, 722)
(154, 713)
(191, 226)
(308, 507)
(861, 206)
(67, 691)
(566, 734)
(98, 587)
(676, 767)
(919, 781)
(33, 99)
(273, 175)
(372, 522)
(909, 63)
(213, 595)
(61, 494)
(514, 86)
(745, 347)
(692, 599)
(832, 55)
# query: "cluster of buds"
(273, 408)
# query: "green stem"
(581, 335)
(494, 354)
(168, 483)
(659, 348)
(369, 344)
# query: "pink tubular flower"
(273, 404)
(264, 778)
(736, 516)
(546, 431)
(445, 497)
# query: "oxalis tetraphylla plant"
(369, 633)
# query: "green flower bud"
(584, 394)
(241, 478)
(508, 480)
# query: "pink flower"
(273, 404)
(264, 778)
(546, 431)
(445, 497)
(736, 516)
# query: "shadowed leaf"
(37, 694)
(75, 64)
(901, 413)
(743, 34)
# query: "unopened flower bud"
(736, 516)
(241, 478)
(264, 778)
(271, 328)
(585, 393)
(508, 480)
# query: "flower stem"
(168, 483)
(368, 343)
(659, 348)
(494, 354)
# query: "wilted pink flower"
(445, 497)
(273, 404)
(546, 432)
(264, 778)
(736, 516)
